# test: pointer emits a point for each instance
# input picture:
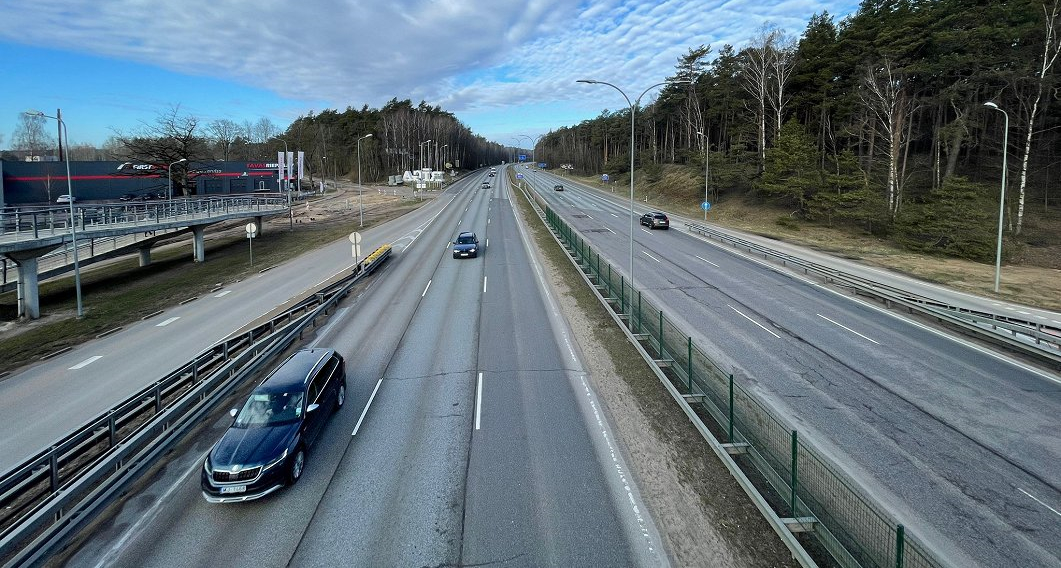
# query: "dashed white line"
(365, 411)
(847, 328)
(610, 231)
(755, 322)
(614, 215)
(484, 284)
(705, 260)
(487, 242)
(1053, 510)
(650, 256)
(223, 294)
(647, 231)
(459, 222)
(167, 322)
(1023, 313)
(587, 215)
(86, 362)
(425, 289)
(478, 399)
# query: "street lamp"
(169, 173)
(360, 207)
(1002, 199)
(707, 168)
(633, 107)
(428, 141)
(69, 192)
(280, 185)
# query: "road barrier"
(802, 487)
(54, 493)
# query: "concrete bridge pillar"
(29, 304)
(145, 256)
(199, 253)
(259, 222)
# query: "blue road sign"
(519, 176)
(705, 206)
(604, 177)
(523, 157)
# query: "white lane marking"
(1055, 321)
(847, 328)
(86, 362)
(487, 221)
(368, 404)
(167, 322)
(650, 256)
(459, 222)
(1039, 502)
(614, 215)
(331, 323)
(587, 215)
(488, 242)
(478, 399)
(755, 322)
(223, 294)
(610, 231)
(646, 230)
(705, 260)
(484, 284)
(1040, 317)
(1023, 313)
(425, 289)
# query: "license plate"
(234, 489)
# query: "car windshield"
(465, 240)
(270, 408)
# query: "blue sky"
(502, 67)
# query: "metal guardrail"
(54, 492)
(1032, 338)
(801, 487)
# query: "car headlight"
(275, 462)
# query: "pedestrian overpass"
(37, 242)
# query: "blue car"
(265, 448)
(466, 246)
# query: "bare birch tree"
(884, 91)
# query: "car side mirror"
(233, 412)
(312, 407)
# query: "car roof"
(296, 370)
(466, 234)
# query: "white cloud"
(447, 52)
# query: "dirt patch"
(703, 516)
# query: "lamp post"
(69, 192)
(633, 107)
(428, 141)
(169, 174)
(360, 207)
(1002, 199)
(280, 185)
(707, 167)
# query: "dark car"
(127, 197)
(265, 447)
(655, 220)
(558, 187)
(466, 245)
(491, 174)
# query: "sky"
(503, 68)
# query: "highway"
(467, 437)
(960, 443)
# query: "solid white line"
(167, 322)
(705, 260)
(755, 322)
(1039, 502)
(650, 256)
(1023, 313)
(86, 362)
(223, 294)
(478, 399)
(484, 284)
(425, 289)
(365, 411)
(847, 328)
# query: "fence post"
(53, 465)
(795, 445)
(112, 430)
(639, 311)
(731, 408)
(689, 366)
(158, 398)
(900, 538)
(661, 334)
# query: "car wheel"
(298, 464)
(340, 397)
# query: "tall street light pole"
(281, 185)
(360, 207)
(169, 174)
(633, 107)
(1002, 199)
(70, 192)
(428, 141)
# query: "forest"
(890, 121)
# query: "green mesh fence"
(851, 527)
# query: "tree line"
(877, 121)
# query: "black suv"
(466, 245)
(655, 220)
(558, 187)
(265, 448)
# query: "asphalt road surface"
(468, 436)
(960, 443)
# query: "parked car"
(466, 245)
(558, 187)
(655, 220)
(128, 197)
(265, 447)
(65, 198)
